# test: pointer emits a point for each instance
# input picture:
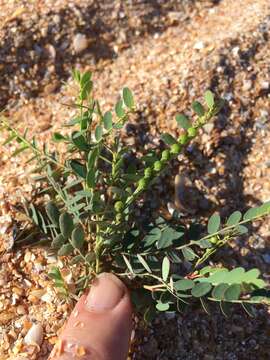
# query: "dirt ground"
(168, 53)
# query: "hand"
(99, 327)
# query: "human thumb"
(99, 327)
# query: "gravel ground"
(168, 53)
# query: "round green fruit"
(213, 239)
(175, 149)
(192, 132)
(165, 155)
(118, 206)
(183, 139)
(147, 173)
(142, 184)
(158, 165)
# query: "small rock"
(199, 45)
(34, 335)
(80, 43)
(247, 85)
(21, 310)
(265, 85)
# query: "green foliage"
(91, 218)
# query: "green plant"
(91, 216)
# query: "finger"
(99, 327)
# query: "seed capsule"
(175, 148)
(192, 132)
(118, 206)
(183, 139)
(148, 173)
(165, 155)
(158, 165)
(213, 239)
(142, 183)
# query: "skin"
(99, 327)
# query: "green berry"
(118, 217)
(165, 155)
(118, 206)
(147, 173)
(213, 239)
(158, 165)
(175, 149)
(142, 184)
(183, 139)
(192, 132)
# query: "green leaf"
(144, 263)
(165, 268)
(153, 236)
(65, 250)
(86, 77)
(198, 108)
(219, 290)
(66, 225)
(241, 229)
(57, 137)
(234, 276)
(79, 141)
(248, 309)
(162, 306)
(185, 284)
(77, 237)
(9, 139)
(188, 254)
(92, 157)
(76, 75)
(217, 277)
(209, 99)
(168, 139)
(55, 273)
(78, 168)
(53, 213)
(168, 236)
(128, 98)
(107, 120)
(120, 112)
(201, 289)
(234, 218)
(19, 150)
(98, 133)
(58, 241)
(76, 260)
(213, 224)
(128, 264)
(183, 121)
(225, 308)
(232, 293)
(91, 179)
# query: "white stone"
(34, 335)
(80, 43)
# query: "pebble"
(34, 335)
(80, 43)
(247, 85)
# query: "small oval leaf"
(201, 289)
(77, 237)
(53, 213)
(234, 218)
(165, 268)
(128, 98)
(209, 99)
(213, 224)
(66, 224)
